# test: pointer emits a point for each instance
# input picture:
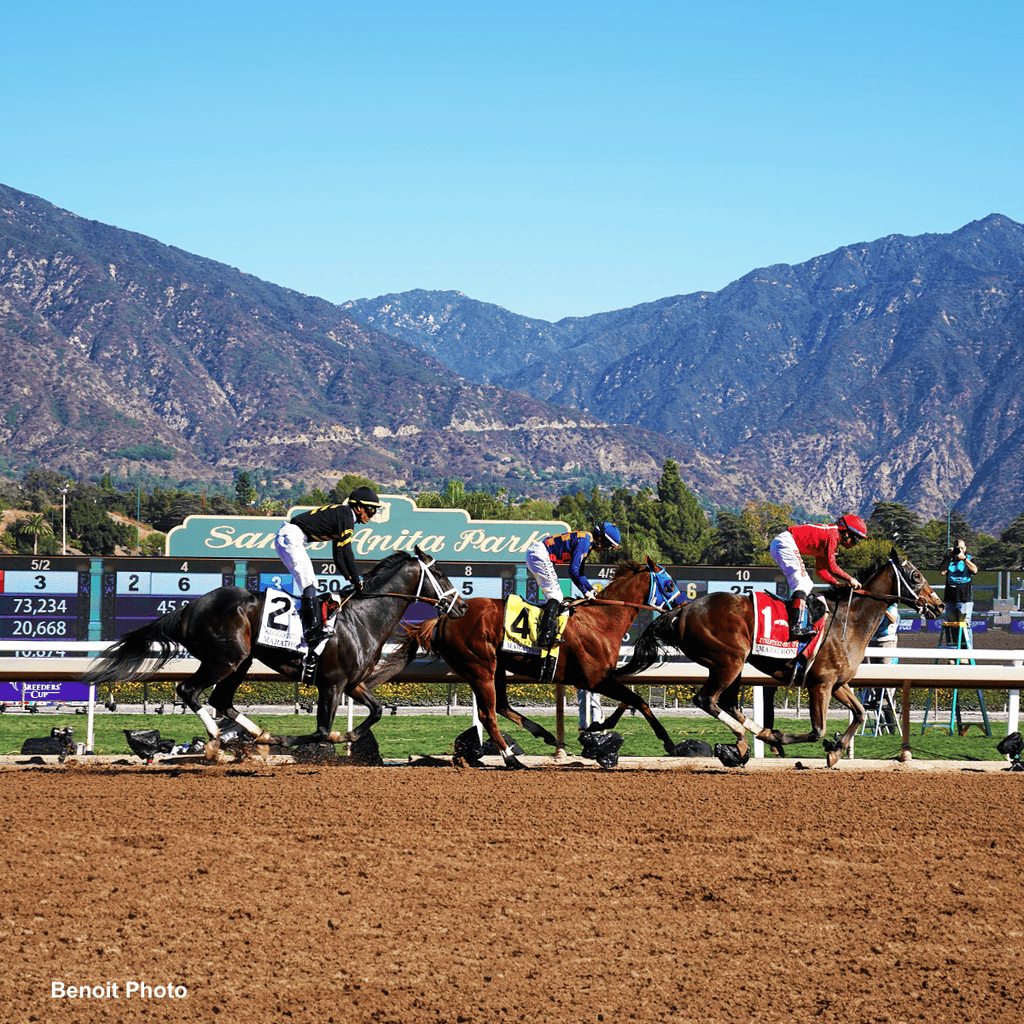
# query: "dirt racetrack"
(410, 895)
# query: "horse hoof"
(514, 764)
(729, 754)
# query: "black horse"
(219, 629)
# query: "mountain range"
(886, 370)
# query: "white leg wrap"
(207, 719)
(752, 726)
(249, 725)
(731, 722)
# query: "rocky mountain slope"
(124, 355)
(889, 370)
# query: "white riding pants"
(787, 557)
(538, 561)
(290, 543)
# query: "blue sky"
(558, 159)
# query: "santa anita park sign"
(447, 534)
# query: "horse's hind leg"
(724, 681)
(610, 722)
(189, 691)
(503, 708)
(222, 702)
(729, 701)
(619, 692)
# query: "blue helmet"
(607, 533)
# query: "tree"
(245, 491)
(894, 522)
(37, 528)
(681, 528)
(1008, 551)
(766, 520)
(347, 484)
(153, 545)
(97, 533)
(731, 542)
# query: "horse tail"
(124, 659)
(416, 636)
(646, 651)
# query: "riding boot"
(798, 629)
(312, 630)
(799, 668)
(548, 629)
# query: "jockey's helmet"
(607, 534)
(366, 497)
(853, 525)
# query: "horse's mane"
(627, 568)
(386, 569)
(840, 593)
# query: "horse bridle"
(902, 582)
(445, 599)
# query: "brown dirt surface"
(401, 895)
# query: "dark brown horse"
(716, 631)
(587, 655)
(219, 629)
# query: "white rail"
(909, 668)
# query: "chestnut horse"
(220, 628)
(587, 654)
(716, 631)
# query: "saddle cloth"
(281, 623)
(771, 628)
(522, 622)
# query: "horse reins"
(441, 595)
(898, 598)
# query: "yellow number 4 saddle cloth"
(522, 622)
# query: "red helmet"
(853, 524)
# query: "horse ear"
(426, 559)
(653, 565)
(894, 554)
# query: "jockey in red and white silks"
(822, 541)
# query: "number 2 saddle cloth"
(522, 622)
(281, 624)
(771, 628)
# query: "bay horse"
(587, 654)
(220, 627)
(717, 630)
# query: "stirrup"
(315, 635)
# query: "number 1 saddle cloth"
(771, 629)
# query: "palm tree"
(35, 526)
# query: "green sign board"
(447, 534)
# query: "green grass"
(402, 736)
